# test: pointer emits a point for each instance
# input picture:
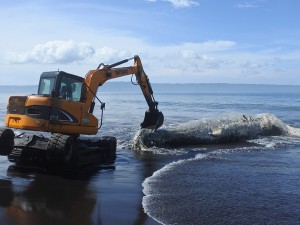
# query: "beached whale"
(226, 129)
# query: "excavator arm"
(95, 78)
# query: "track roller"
(61, 149)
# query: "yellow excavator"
(64, 106)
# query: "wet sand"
(103, 194)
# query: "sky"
(178, 41)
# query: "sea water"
(252, 182)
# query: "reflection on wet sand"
(6, 193)
(148, 168)
(47, 200)
(100, 195)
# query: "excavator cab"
(61, 85)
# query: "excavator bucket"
(153, 120)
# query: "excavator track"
(59, 151)
(6, 141)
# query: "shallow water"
(253, 182)
(256, 187)
(100, 195)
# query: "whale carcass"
(225, 129)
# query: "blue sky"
(179, 41)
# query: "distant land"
(175, 88)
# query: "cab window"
(70, 89)
(46, 86)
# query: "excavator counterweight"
(63, 106)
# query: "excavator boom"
(95, 78)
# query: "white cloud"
(52, 52)
(248, 5)
(251, 68)
(199, 63)
(110, 55)
(256, 66)
(182, 3)
(211, 45)
(210, 61)
(179, 3)
(196, 59)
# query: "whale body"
(226, 129)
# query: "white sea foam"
(156, 182)
(190, 191)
